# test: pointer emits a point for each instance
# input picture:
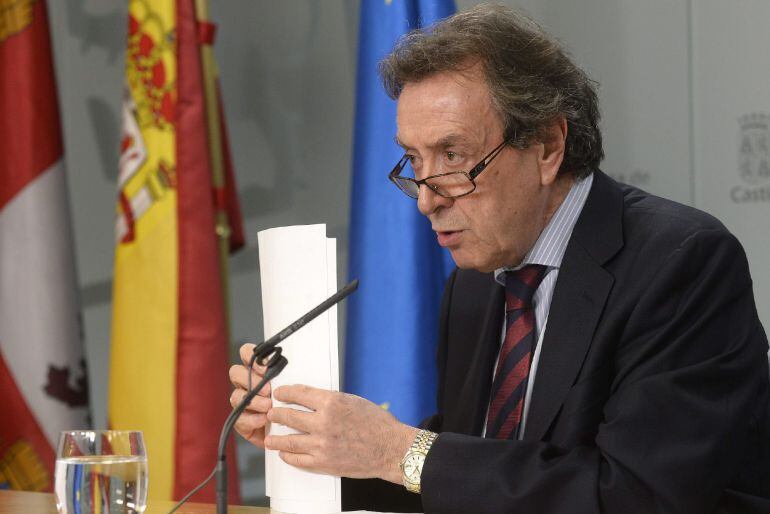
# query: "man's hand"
(344, 435)
(251, 424)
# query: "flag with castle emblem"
(42, 367)
(177, 215)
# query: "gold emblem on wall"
(753, 159)
(754, 149)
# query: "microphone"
(274, 366)
(265, 348)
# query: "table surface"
(14, 502)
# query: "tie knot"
(521, 284)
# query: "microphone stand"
(274, 368)
(275, 365)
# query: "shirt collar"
(549, 248)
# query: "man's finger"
(258, 403)
(251, 427)
(249, 421)
(246, 352)
(239, 376)
(300, 460)
(294, 418)
(292, 443)
(304, 395)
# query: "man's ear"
(552, 150)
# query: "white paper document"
(298, 269)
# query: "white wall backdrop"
(684, 91)
(638, 52)
(731, 126)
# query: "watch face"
(413, 466)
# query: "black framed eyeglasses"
(449, 185)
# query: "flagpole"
(222, 227)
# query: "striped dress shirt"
(548, 251)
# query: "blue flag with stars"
(392, 320)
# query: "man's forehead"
(445, 109)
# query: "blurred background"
(682, 84)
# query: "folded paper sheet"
(298, 269)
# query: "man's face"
(447, 123)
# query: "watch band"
(412, 463)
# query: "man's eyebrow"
(399, 143)
(450, 140)
(444, 142)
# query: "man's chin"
(467, 262)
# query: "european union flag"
(393, 319)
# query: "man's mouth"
(448, 238)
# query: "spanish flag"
(177, 216)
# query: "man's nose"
(428, 201)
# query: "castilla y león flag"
(43, 387)
(177, 215)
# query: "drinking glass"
(101, 471)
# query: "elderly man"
(599, 347)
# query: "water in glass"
(101, 472)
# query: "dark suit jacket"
(651, 393)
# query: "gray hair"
(531, 79)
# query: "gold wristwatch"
(411, 464)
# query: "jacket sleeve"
(690, 381)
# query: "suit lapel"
(578, 301)
(481, 353)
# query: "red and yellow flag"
(43, 386)
(168, 372)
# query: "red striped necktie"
(511, 375)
